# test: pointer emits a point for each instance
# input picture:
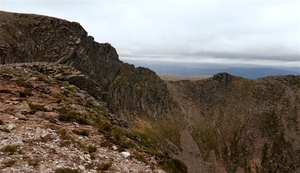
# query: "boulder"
(114, 147)
(48, 108)
(46, 136)
(10, 127)
(20, 116)
(125, 154)
(23, 107)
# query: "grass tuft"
(9, 163)
(104, 166)
(5, 91)
(69, 116)
(25, 93)
(11, 149)
(65, 170)
(34, 108)
(82, 132)
(33, 162)
(91, 149)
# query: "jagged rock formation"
(35, 38)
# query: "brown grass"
(169, 77)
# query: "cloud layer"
(210, 31)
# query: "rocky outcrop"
(36, 38)
(130, 96)
(49, 125)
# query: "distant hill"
(250, 73)
(168, 77)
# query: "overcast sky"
(212, 31)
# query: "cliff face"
(243, 125)
(35, 38)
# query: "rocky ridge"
(143, 100)
(49, 125)
(36, 38)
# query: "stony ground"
(35, 137)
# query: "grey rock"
(20, 116)
(78, 41)
(125, 154)
(95, 103)
(81, 167)
(19, 143)
(126, 170)
(46, 136)
(58, 76)
(23, 107)
(48, 108)
(114, 147)
(10, 127)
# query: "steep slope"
(48, 125)
(243, 125)
(134, 95)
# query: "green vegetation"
(66, 138)
(91, 149)
(66, 170)
(92, 156)
(23, 83)
(271, 123)
(292, 120)
(209, 140)
(10, 163)
(34, 108)
(82, 132)
(69, 116)
(104, 166)
(25, 93)
(104, 128)
(33, 162)
(43, 78)
(139, 157)
(58, 98)
(11, 149)
(174, 166)
(6, 91)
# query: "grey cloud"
(194, 30)
(248, 56)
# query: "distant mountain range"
(246, 72)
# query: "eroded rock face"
(35, 38)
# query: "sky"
(229, 32)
